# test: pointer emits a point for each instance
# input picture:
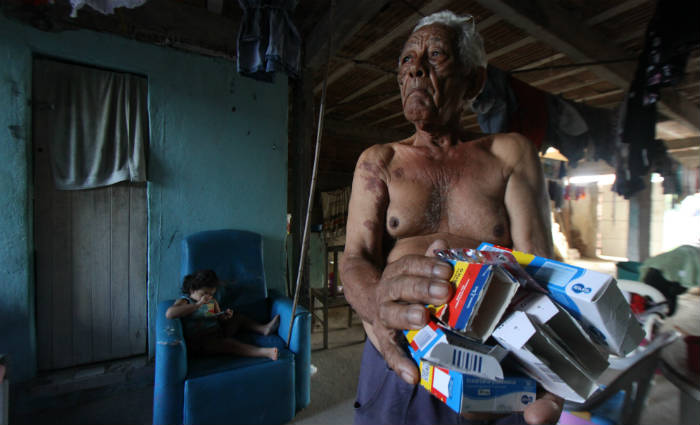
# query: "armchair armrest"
(283, 306)
(170, 368)
(299, 343)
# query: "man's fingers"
(403, 316)
(418, 265)
(415, 289)
(545, 410)
(398, 362)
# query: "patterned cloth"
(335, 212)
(202, 321)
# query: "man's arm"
(527, 204)
(526, 199)
(362, 260)
(387, 297)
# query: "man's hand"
(404, 289)
(545, 410)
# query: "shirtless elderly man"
(436, 189)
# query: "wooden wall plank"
(61, 229)
(83, 222)
(100, 275)
(42, 249)
(119, 289)
(137, 268)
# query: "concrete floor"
(333, 389)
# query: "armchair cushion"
(256, 393)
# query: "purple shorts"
(384, 398)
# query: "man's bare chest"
(460, 194)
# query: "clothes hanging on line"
(530, 117)
(268, 40)
(106, 7)
(661, 64)
(496, 102)
(508, 104)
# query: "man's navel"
(499, 230)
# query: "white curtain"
(99, 122)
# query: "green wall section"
(217, 159)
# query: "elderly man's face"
(431, 78)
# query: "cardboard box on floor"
(590, 296)
(482, 294)
(552, 347)
(466, 375)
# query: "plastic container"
(628, 270)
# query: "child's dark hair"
(200, 279)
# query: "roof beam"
(357, 93)
(348, 17)
(558, 28)
(690, 143)
(364, 132)
(375, 106)
(398, 31)
(509, 48)
(614, 11)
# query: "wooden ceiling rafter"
(581, 43)
(398, 31)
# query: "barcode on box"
(423, 337)
(468, 361)
(425, 371)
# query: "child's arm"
(222, 315)
(182, 308)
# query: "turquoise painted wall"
(217, 159)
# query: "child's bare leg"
(232, 346)
(264, 329)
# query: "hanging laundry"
(106, 7)
(556, 193)
(661, 64)
(496, 102)
(268, 40)
(602, 125)
(566, 129)
(530, 117)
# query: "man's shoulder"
(511, 147)
(381, 153)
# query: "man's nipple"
(393, 222)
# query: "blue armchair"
(228, 389)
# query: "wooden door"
(90, 260)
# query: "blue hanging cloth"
(268, 40)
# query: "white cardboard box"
(547, 358)
(590, 296)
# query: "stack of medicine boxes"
(559, 321)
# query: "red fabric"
(637, 303)
(530, 117)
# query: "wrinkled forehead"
(432, 33)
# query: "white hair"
(469, 42)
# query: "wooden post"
(300, 162)
(639, 233)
